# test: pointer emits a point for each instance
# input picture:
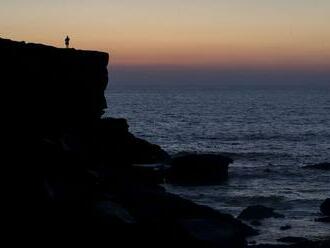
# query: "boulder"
(258, 212)
(285, 227)
(323, 219)
(321, 166)
(198, 169)
(325, 207)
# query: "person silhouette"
(67, 41)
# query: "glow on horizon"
(206, 33)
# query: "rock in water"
(321, 166)
(285, 227)
(198, 169)
(325, 207)
(293, 240)
(324, 219)
(258, 212)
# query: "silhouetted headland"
(73, 177)
(72, 174)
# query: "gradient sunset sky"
(289, 34)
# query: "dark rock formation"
(198, 169)
(321, 166)
(157, 209)
(325, 207)
(51, 88)
(71, 176)
(258, 212)
(113, 138)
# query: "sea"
(271, 132)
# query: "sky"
(256, 35)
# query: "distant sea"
(270, 132)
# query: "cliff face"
(50, 86)
(52, 100)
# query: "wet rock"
(301, 243)
(198, 169)
(325, 207)
(321, 166)
(290, 239)
(258, 212)
(268, 246)
(286, 227)
(324, 219)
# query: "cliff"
(71, 176)
(52, 87)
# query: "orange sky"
(210, 33)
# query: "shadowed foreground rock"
(70, 177)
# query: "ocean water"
(270, 132)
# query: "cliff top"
(27, 45)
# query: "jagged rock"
(258, 212)
(198, 169)
(325, 207)
(321, 166)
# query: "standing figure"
(67, 41)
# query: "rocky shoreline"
(74, 177)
